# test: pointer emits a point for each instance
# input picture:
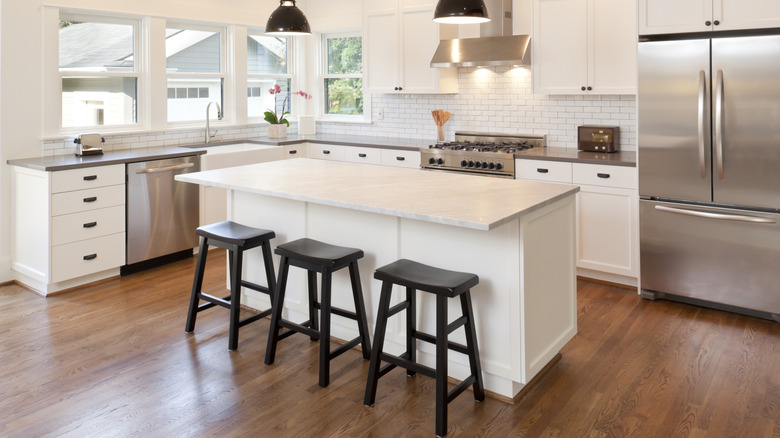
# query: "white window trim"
(53, 76)
(291, 68)
(322, 56)
(227, 102)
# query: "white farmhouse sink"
(239, 154)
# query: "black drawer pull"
(91, 199)
(326, 152)
(90, 257)
(293, 152)
(540, 170)
(362, 155)
(90, 177)
(400, 158)
(90, 225)
(602, 175)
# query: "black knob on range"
(492, 165)
(464, 163)
(477, 164)
(431, 160)
(440, 161)
(484, 165)
(499, 166)
(471, 163)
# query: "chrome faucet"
(209, 135)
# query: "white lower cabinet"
(400, 158)
(366, 155)
(607, 215)
(363, 155)
(69, 225)
(326, 151)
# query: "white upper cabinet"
(675, 16)
(584, 47)
(399, 39)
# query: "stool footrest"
(300, 328)
(397, 308)
(339, 311)
(343, 348)
(454, 346)
(408, 364)
(451, 327)
(257, 287)
(462, 386)
(213, 301)
(254, 318)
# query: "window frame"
(225, 101)
(138, 73)
(291, 66)
(323, 75)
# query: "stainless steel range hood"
(495, 46)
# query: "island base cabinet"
(525, 303)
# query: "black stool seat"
(235, 234)
(317, 253)
(235, 238)
(445, 285)
(428, 278)
(316, 256)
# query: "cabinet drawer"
(607, 176)
(90, 199)
(363, 155)
(550, 171)
(87, 225)
(400, 158)
(295, 151)
(87, 257)
(87, 178)
(326, 152)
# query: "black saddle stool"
(235, 238)
(315, 256)
(444, 284)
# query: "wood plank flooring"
(112, 360)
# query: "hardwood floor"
(113, 360)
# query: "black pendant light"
(287, 20)
(461, 12)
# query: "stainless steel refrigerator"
(709, 171)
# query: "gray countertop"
(64, 162)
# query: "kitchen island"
(518, 236)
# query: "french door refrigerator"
(709, 171)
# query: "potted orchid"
(279, 122)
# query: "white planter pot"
(277, 131)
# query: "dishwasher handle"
(165, 168)
(721, 216)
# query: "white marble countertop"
(467, 201)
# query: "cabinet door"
(674, 16)
(380, 48)
(612, 47)
(560, 51)
(607, 221)
(420, 38)
(746, 14)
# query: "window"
(98, 71)
(194, 64)
(343, 75)
(267, 65)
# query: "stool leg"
(441, 365)
(472, 347)
(235, 296)
(325, 329)
(312, 284)
(268, 262)
(197, 283)
(276, 313)
(379, 340)
(411, 327)
(360, 310)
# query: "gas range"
(479, 153)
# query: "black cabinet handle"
(90, 257)
(589, 88)
(362, 155)
(90, 177)
(90, 199)
(396, 88)
(540, 170)
(400, 158)
(583, 88)
(326, 152)
(716, 22)
(90, 225)
(293, 152)
(602, 175)
(707, 23)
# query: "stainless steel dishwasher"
(162, 214)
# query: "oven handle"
(165, 168)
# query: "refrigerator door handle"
(719, 122)
(702, 120)
(720, 216)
